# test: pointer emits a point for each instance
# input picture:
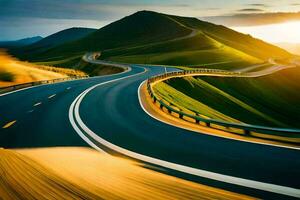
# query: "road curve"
(109, 107)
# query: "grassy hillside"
(194, 52)
(271, 100)
(234, 39)
(150, 37)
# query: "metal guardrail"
(95, 55)
(277, 134)
(30, 84)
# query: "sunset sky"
(273, 20)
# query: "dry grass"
(13, 71)
(83, 173)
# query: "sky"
(271, 20)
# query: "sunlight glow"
(275, 33)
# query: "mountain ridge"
(156, 38)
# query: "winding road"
(105, 113)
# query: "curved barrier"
(92, 57)
(88, 57)
(270, 133)
(30, 84)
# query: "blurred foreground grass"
(13, 71)
(83, 173)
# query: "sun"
(288, 32)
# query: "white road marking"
(37, 104)
(204, 132)
(53, 95)
(74, 109)
(71, 118)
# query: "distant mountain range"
(20, 43)
(150, 37)
(54, 40)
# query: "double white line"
(85, 133)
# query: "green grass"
(183, 102)
(75, 62)
(271, 100)
(192, 58)
(199, 50)
(226, 65)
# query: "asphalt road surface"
(108, 106)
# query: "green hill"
(155, 38)
(56, 39)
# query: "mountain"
(150, 37)
(291, 47)
(54, 40)
(19, 43)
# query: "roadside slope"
(264, 100)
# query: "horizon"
(247, 16)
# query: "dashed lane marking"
(37, 104)
(53, 95)
(9, 124)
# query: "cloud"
(250, 10)
(258, 5)
(254, 19)
(211, 8)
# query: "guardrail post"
(247, 132)
(154, 99)
(198, 118)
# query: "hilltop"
(150, 37)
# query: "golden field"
(83, 173)
(13, 71)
